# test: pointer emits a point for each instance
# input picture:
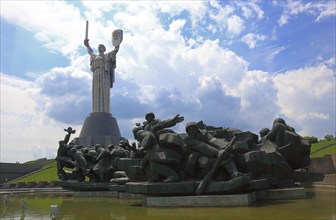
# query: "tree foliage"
(329, 137)
(312, 139)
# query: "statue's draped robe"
(102, 67)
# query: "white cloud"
(96, 9)
(228, 17)
(272, 52)
(235, 25)
(137, 18)
(247, 12)
(26, 132)
(331, 62)
(283, 19)
(326, 11)
(257, 10)
(49, 20)
(221, 15)
(176, 26)
(306, 96)
(66, 94)
(251, 8)
(319, 9)
(257, 100)
(196, 9)
(314, 115)
(251, 39)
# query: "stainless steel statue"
(103, 67)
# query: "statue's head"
(279, 120)
(101, 48)
(92, 153)
(110, 147)
(97, 147)
(264, 132)
(123, 142)
(192, 129)
(150, 116)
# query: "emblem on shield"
(117, 37)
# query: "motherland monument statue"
(100, 127)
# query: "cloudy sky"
(236, 64)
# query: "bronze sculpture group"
(204, 153)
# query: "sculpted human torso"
(102, 67)
(100, 84)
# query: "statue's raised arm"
(86, 40)
(86, 43)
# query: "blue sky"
(229, 63)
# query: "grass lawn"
(331, 149)
(48, 174)
(31, 162)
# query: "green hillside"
(48, 173)
(323, 148)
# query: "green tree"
(312, 139)
(329, 137)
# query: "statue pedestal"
(99, 128)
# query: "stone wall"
(11, 171)
(326, 164)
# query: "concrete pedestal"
(284, 193)
(202, 201)
(84, 186)
(99, 128)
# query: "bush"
(329, 137)
(312, 139)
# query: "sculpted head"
(150, 116)
(101, 48)
(192, 129)
(264, 132)
(97, 147)
(110, 147)
(279, 120)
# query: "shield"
(117, 37)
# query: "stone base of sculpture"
(201, 201)
(99, 128)
(76, 186)
(244, 199)
(241, 184)
(73, 185)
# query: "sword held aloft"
(87, 30)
